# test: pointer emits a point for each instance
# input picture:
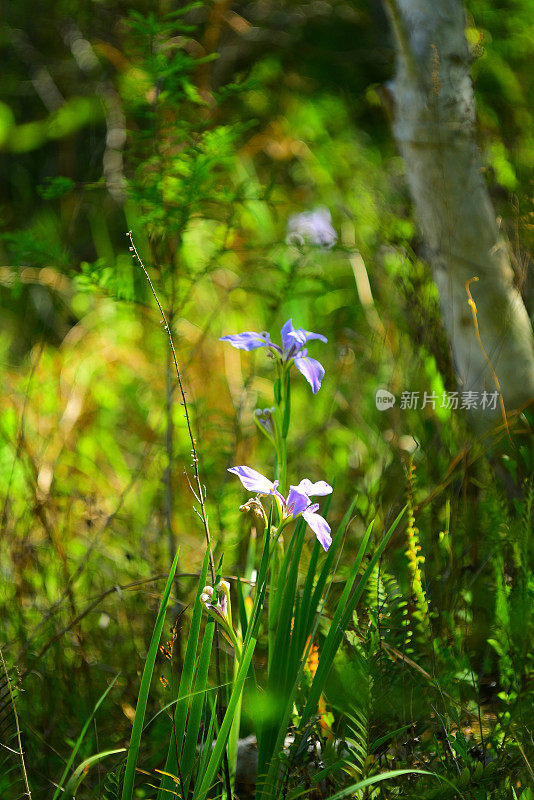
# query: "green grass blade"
(333, 639)
(173, 702)
(285, 592)
(325, 572)
(261, 582)
(268, 786)
(284, 658)
(233, 737)
(357, 787)
(208, 778)
(186, 685)
(195, 715)
(242, 608)
(81, 738)
(209, 738)
(82, 769)
(276, 596)
(383, 739)
(304, 620)
(327, 651)
(135, 740)
(343, 615)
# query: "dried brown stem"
(199, 490)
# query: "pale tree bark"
(434, 126)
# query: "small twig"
(169, 441)
(197, 498)
(199, 494)
(203, 515)
(16, 717)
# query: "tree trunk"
(434, 126)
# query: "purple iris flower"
(314, 227)
(293, 349)
(298, 500)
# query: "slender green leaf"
(186, 685)
(82, 770)
(135, 741)
(206, 750)
(283, 658)
(383, 739)
(357, 787)
(201, 791)
(242, 608)
(342, 617)
(266, 786)
(195, 715)
(326, 570)
(277, 392)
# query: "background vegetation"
(204, 132)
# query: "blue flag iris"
(293, 349)
(297, 502)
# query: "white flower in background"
(313, 227)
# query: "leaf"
(356, 787)
(201, 792)
(186, 683)
(135, 741)
(113, 783)
(82, 770)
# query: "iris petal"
(319, 489)
(249, 340)
(312, 370)
(288, 334)
(319, 525)
(297, 501)
(253, 480)
(301, 336)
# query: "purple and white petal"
(297, 501)
(288, 332)
(312, 370)
(249, 340)
(253, 480)
(318, 489)
(319, 525)
(301, 336)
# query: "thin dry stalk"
(199, 492)
(16, 718)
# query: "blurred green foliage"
(203, 130)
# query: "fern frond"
(113, 783)
(357, 718)
(416, 560)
